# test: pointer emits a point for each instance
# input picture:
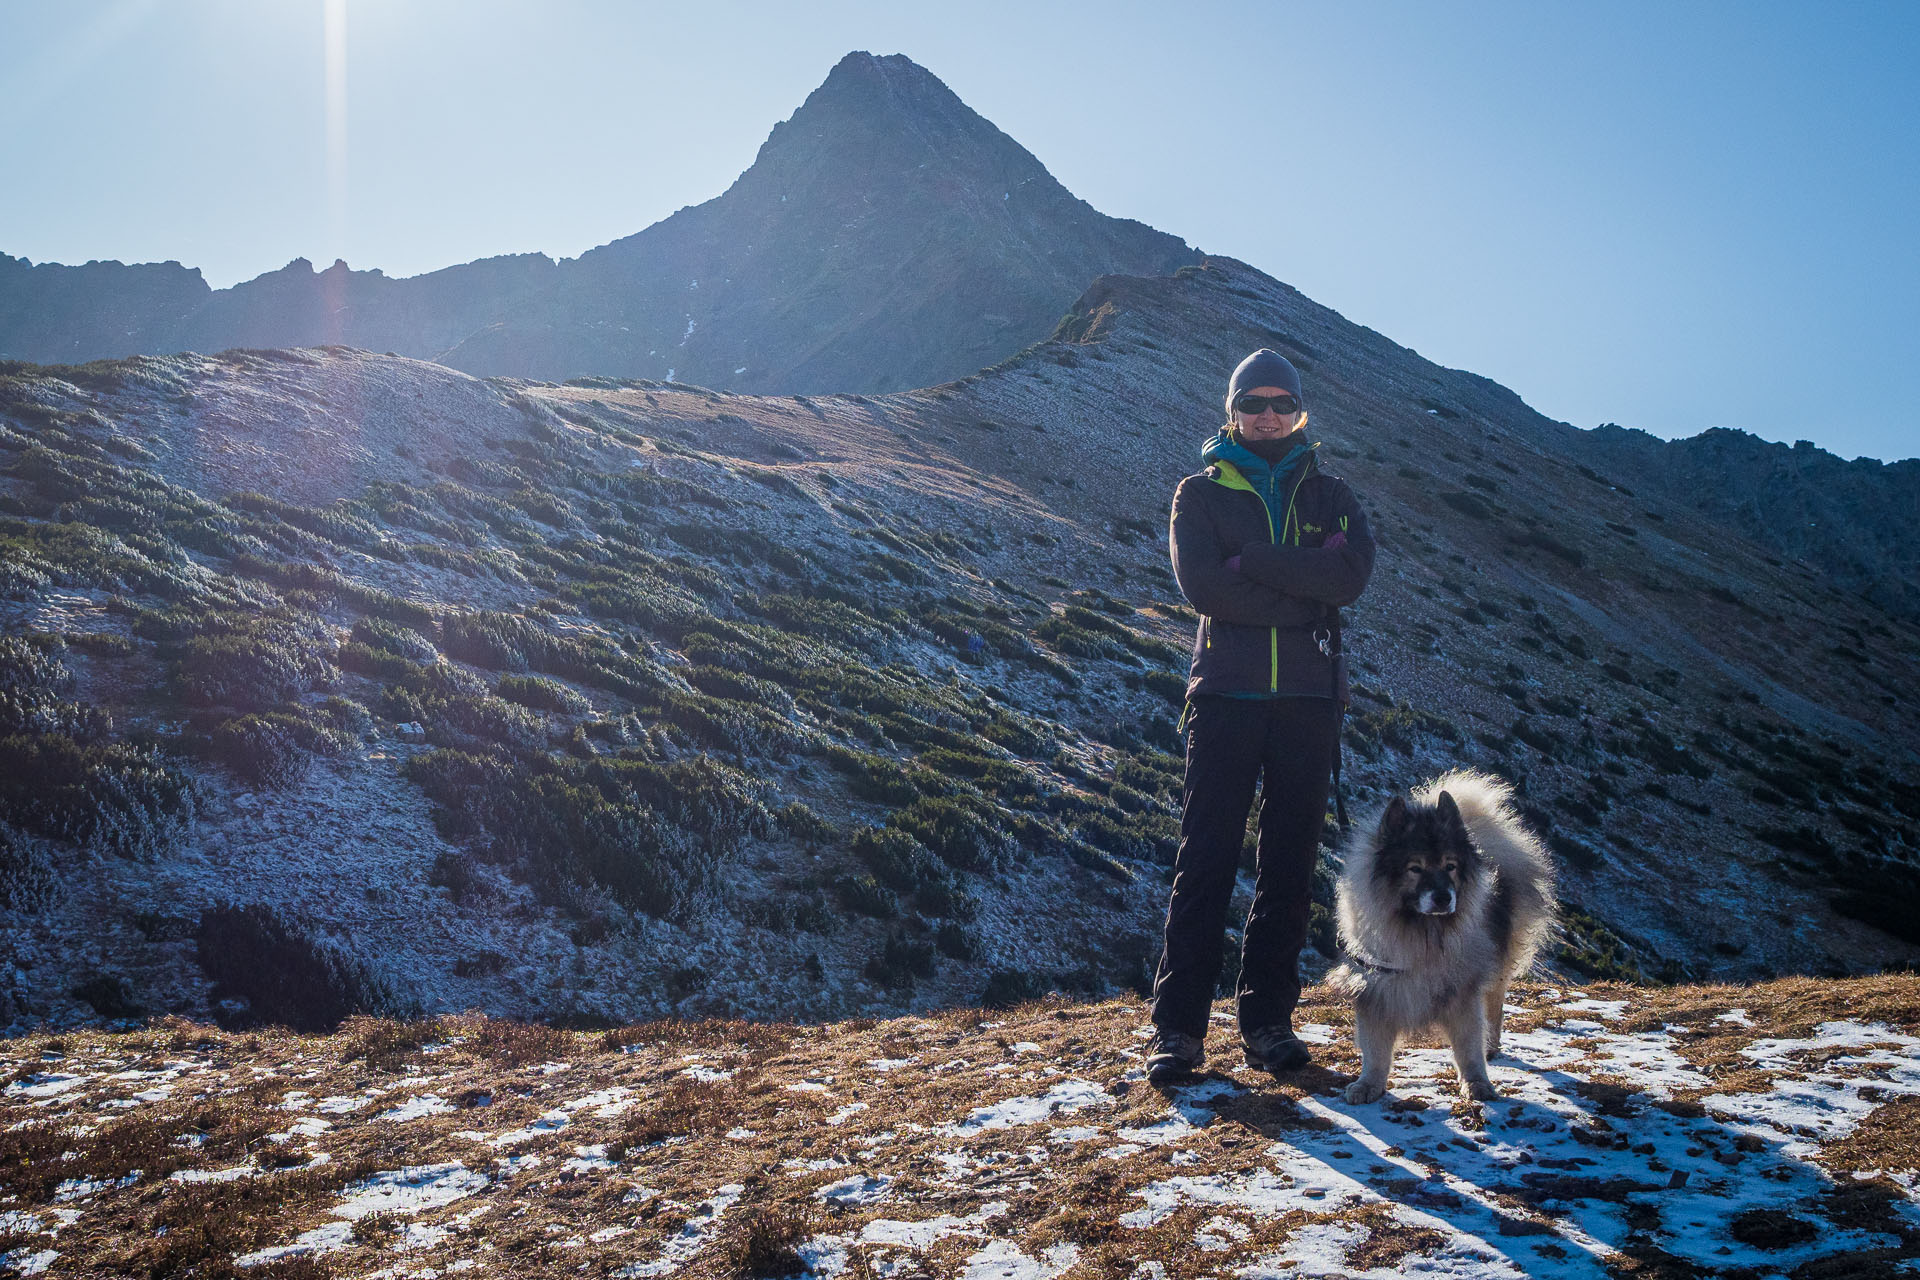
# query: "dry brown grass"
(510, 1043)
(761, 1240)
(674, 1139)
(1888, 1140)
(388, 1044)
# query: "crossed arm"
(1274, 586)
(1334, 575)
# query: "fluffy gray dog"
(1442, 903)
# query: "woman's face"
(1268, 425)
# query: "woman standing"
(1268, 548)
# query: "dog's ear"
(1395, 821)
(1450, 820)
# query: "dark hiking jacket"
(1261, 625)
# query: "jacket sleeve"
(1335, 575)
(1200, 567)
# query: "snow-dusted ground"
(1731, 1144)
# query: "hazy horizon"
(1673, 221)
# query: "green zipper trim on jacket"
(1230, 477)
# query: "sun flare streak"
(336, 91)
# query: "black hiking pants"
(1232, 744)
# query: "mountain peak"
(876, 112)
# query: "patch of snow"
(233, 1174)
(1220, 1233)
(921, 1234)
(549, 1123)
(1649, 1060)
(308, 1128)
(415, 1236)
(605, 1103)
(1190, 1102)
(26, 1262)
(1064, 1098)
(1175, 1128)
(415, 1108)
(1004, 1260)
(81, 1188)
(327, 1239)
(413, 1189)
(846, 1113)
(700, 1226)
(857, 1190)
(44, 1086)
(589, 1159)
(1738, 1017)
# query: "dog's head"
(1424, 856)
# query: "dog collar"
(1368, 962)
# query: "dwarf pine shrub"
(255, 668)
(866, 895)
(961, 829)
(538, 693)
(379, 633)
(123, 799)
(27, 881)
(274, 748)
(283, 976)
(901, 961)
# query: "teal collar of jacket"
(1263, 476)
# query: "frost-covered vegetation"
(656, 696)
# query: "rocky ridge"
(885, 237)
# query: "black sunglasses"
(1254, 406)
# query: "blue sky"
(1672, 216)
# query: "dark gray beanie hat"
(1264, 368)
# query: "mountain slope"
(608, 700)
(885, 237)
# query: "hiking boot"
(1173, 1055)
(1275, 1049)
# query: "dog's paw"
(1493, 1048)
(1363, 1091)
(1480, 1090)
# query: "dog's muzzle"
(1437, 903)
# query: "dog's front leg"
(1377, 1038)
(1468, 1032)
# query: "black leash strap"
(1339, 796)
(1329, 640)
